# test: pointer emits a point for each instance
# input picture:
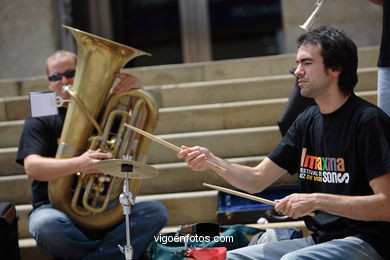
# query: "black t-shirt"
(339, 153)
(384, 54)
(40, 136)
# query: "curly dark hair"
(339, 53)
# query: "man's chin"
(303, 92)
(306, 93)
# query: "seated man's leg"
(384, 89)
(347, 248)
(55, 232)
(270, 251)
(147, 218)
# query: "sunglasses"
(58, 76)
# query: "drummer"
(340, 149)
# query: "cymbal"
(114, 167)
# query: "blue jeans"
(384, 89)
(55, 232)
(349, 248)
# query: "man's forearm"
(367, 208)
(250, 179)
(48, 169)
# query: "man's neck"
(333, 102)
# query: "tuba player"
(53, 230)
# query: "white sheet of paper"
(43, 104)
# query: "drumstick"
(244, 195)
(167, 144)
(240, 194)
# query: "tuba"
(308, 25)
(91, 200)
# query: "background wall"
(360, 19)
(28, 34)
(30, 30)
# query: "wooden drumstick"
(169, 145)
(240, 194)
(244, 195)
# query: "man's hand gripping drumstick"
(247, 196)
(172, 146)
(250, 179)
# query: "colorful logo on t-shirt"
(322, 169)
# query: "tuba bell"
(91, 200)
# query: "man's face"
(313, 79)
(60, 65)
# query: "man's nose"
(65, 80)
(298, 71)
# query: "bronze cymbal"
(114, 167)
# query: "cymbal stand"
(127, 200)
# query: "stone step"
(197, 118)
(10, 132)
(230, 115)
(30, 251)
(227, 143)
(210, 117)
(242, 89)
(7, 162)
(207, 92)
(172, 177)
(193, 72)
(14, 108)
(185, 94)
(23, 210)
(233, 68)
(16, 188)
(191, 118)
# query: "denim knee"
(153, 210)
(161, 212)
(44, 225)
(293, 256)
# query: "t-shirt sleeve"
(285, 154)
(34, 139)
(374, 146)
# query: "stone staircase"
(229, 106)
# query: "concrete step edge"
(27, 242)
(213, 105)
(219, 132)
(12, 122)
(221, 82)
(204, 83)
(243, 103)
(208, 63)
(186, 134)
(223, 105)
(240, 80)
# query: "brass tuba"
(308, 25)
(92, 200)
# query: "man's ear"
(335, 72)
